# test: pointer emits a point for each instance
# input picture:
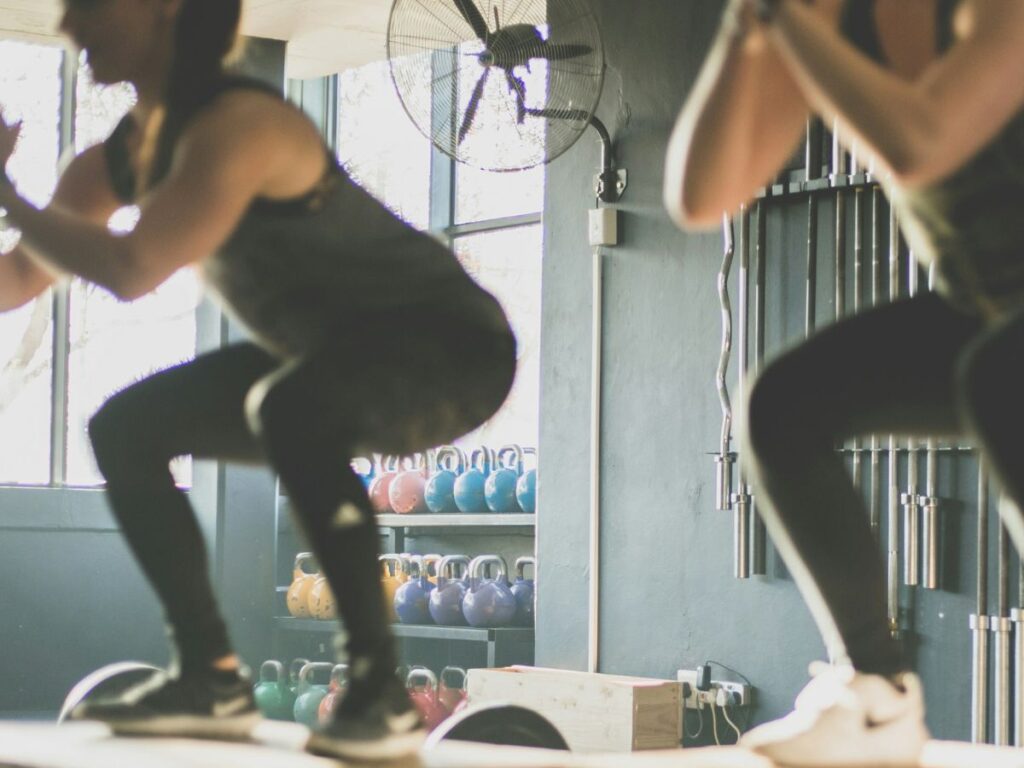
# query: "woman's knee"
(776, 413)
(111, 431)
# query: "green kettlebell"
(307, 704)
(271, 692)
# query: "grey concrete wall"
(668, 596)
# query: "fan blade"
(580, 115)
(474, 18)
(518, 87)
(473, 105)
(562, 51)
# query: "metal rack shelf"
(457, 521)
(505, 645)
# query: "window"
(493, 222)
(105, 344)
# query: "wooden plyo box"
(594, 712)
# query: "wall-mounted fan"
(501, 85)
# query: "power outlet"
(740, 692)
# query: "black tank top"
(970, 224)
(293, 271)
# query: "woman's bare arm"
(920, 130)
(80, 190)
(739, 124)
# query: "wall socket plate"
(698, 699)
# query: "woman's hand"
(9, 134)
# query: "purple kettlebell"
(524, 591)
(446, 600)
(412, 598)
(489, 602)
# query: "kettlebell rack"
(503, 646)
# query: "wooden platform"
(28, 745)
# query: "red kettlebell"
(422, 686)
(381, 485)
(451, 692)
(336, 689)
(406, 491)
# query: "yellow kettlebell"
(302, 582)
(391, 568)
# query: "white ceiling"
(324, 36)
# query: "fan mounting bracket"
(610, 184)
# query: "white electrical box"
(604, 226)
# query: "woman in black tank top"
(367, 336)
(932, 91)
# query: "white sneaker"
(846, 718)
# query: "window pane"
(508, 264)
(379, 145)
(483, 195)
(30, 90)
(113, 344)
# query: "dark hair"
(205, 39)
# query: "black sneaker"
(382, 726)
(210, 707)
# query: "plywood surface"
(278, 745)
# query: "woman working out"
(933, 91)
(367, 336)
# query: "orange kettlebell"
(322, 604)
(391, 571)
(297, 598)
(430, 567)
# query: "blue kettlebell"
(412, 599)
(469, 486)
(500, 488)
(365, 468)
(489, 602)
(439, 494)
(307, 703)
(446, 600)
(526, 486)
(524, 590)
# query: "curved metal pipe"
(724, 459)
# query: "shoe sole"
(374, 750)
(236, 728)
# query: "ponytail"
(205, 40)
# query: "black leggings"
(394, 385)
(917, 368)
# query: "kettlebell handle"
(339, 674)
(275, 665)
(421, 672)
(522, 563)
(300, 560)
(394, 560)
(482, 459)
(451, 560)
(516, 452)
(448, 454)
(312, 668)
(447, 671)
(477, 564)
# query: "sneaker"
(846, 718)
(192, 706)
(382, 726)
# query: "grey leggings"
(916, 367)
(390, 384)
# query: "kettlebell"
(524, 592)
(335, 690)
(391, 568)
(446, 601)
(412, 598)
(297, 598)
(322, 604)
(439, 493)
(489, 602)
(451, 689)
(271, 691)
(526, 486)
(294, 669)
(381, 485)
(307, 703)
(469, 486)
(422, 686)
(500, 488)
(406, 491)
(365, 468)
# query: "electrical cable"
(700, 729)
(725, 711)
(744, 678)
(714, 724)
